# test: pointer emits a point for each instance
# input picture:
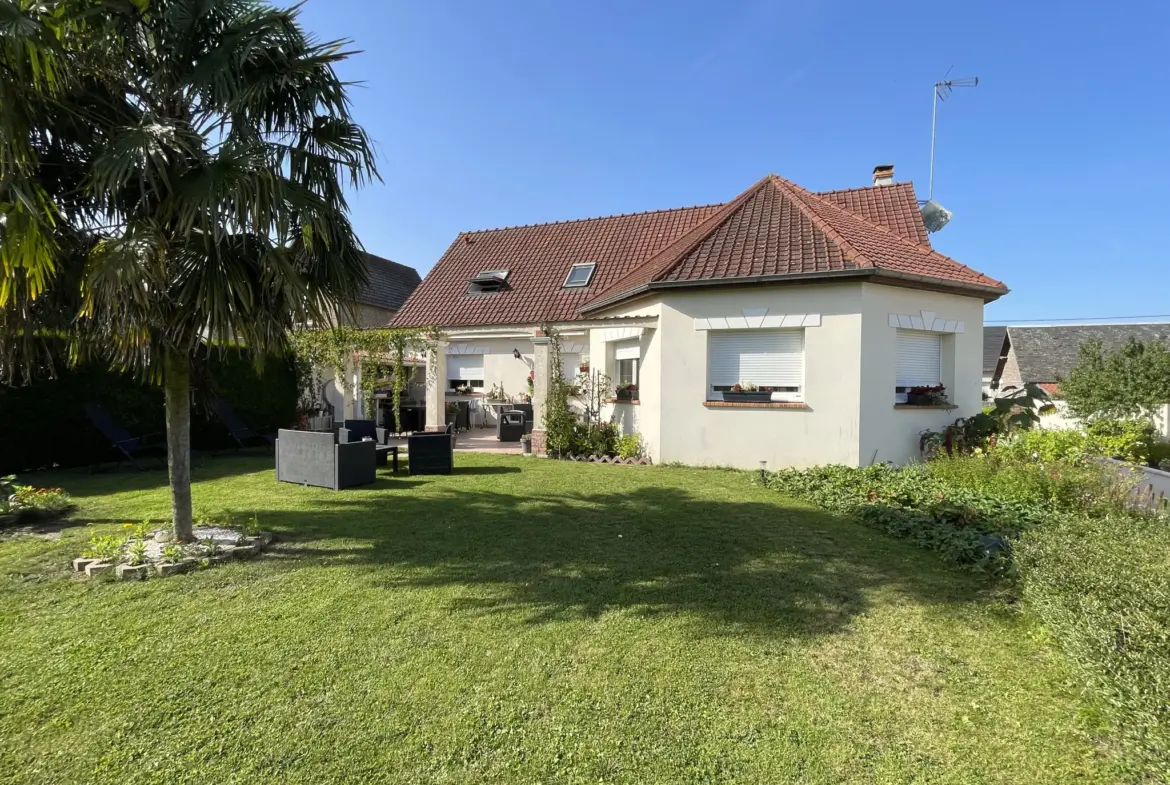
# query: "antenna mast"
(942, 90)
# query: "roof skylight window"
(579, 276)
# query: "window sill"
(946, 407)
(621, 400)
(755, 405)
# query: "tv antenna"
(942, 91)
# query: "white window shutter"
(465, 366)
(768, 358)
(627, 350)
(919, 359)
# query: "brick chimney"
(883, 174)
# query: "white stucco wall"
(891, 434)
(644, 416)
(849, 378)
(827, 431)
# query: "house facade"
(833, 304)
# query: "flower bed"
(24, 503)
(142, 552)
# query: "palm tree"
(172, 178)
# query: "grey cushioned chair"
(309, 458)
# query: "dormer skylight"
(579, 276)
(488, 282)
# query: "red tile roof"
(538, 259)
(892, 206)
(775, 229)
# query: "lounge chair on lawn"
(237, 428)
(125, 445)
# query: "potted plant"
(927, 395)
(626, 392)
(583, 368)
(496, 393)
(526, 443)
(747, 392)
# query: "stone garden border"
(643, 461)
(251, 547)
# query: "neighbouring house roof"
(992, 348)
(389, 284)
(774, 231)
(1046, 354)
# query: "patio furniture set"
(326, 456)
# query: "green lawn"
(523, 621)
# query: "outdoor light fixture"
(763, 471)
(516, 353)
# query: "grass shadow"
(652, 551)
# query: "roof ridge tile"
(592, 218)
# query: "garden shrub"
(52, 429)
(594, 438)
(1127, 440)
(1048, 446)
(1065, 485)
(1101, 587)
(630, 446)
(914, 504)
(1159, 455)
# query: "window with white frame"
(919, 361)
(465, 372)
(771, 360)
(627, 356)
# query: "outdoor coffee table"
(384, 451)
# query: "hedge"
(1102, 586)
(43, 424)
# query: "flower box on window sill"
(626, 395)
(944, 405)
(747, 396)
(756, 405)
(633, 402)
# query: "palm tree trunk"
(177, 382)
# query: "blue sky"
(1057, 166)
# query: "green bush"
(1159, 454)
(593, 438)
(630, 446)
(914, 504)
(46, 426)
(1048, 446)
(1062, 485)
(1101, 587)
(1127, 440)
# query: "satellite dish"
(935, 216)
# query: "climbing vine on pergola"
(376, 349)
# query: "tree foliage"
(172, 173)
(1126, 383)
